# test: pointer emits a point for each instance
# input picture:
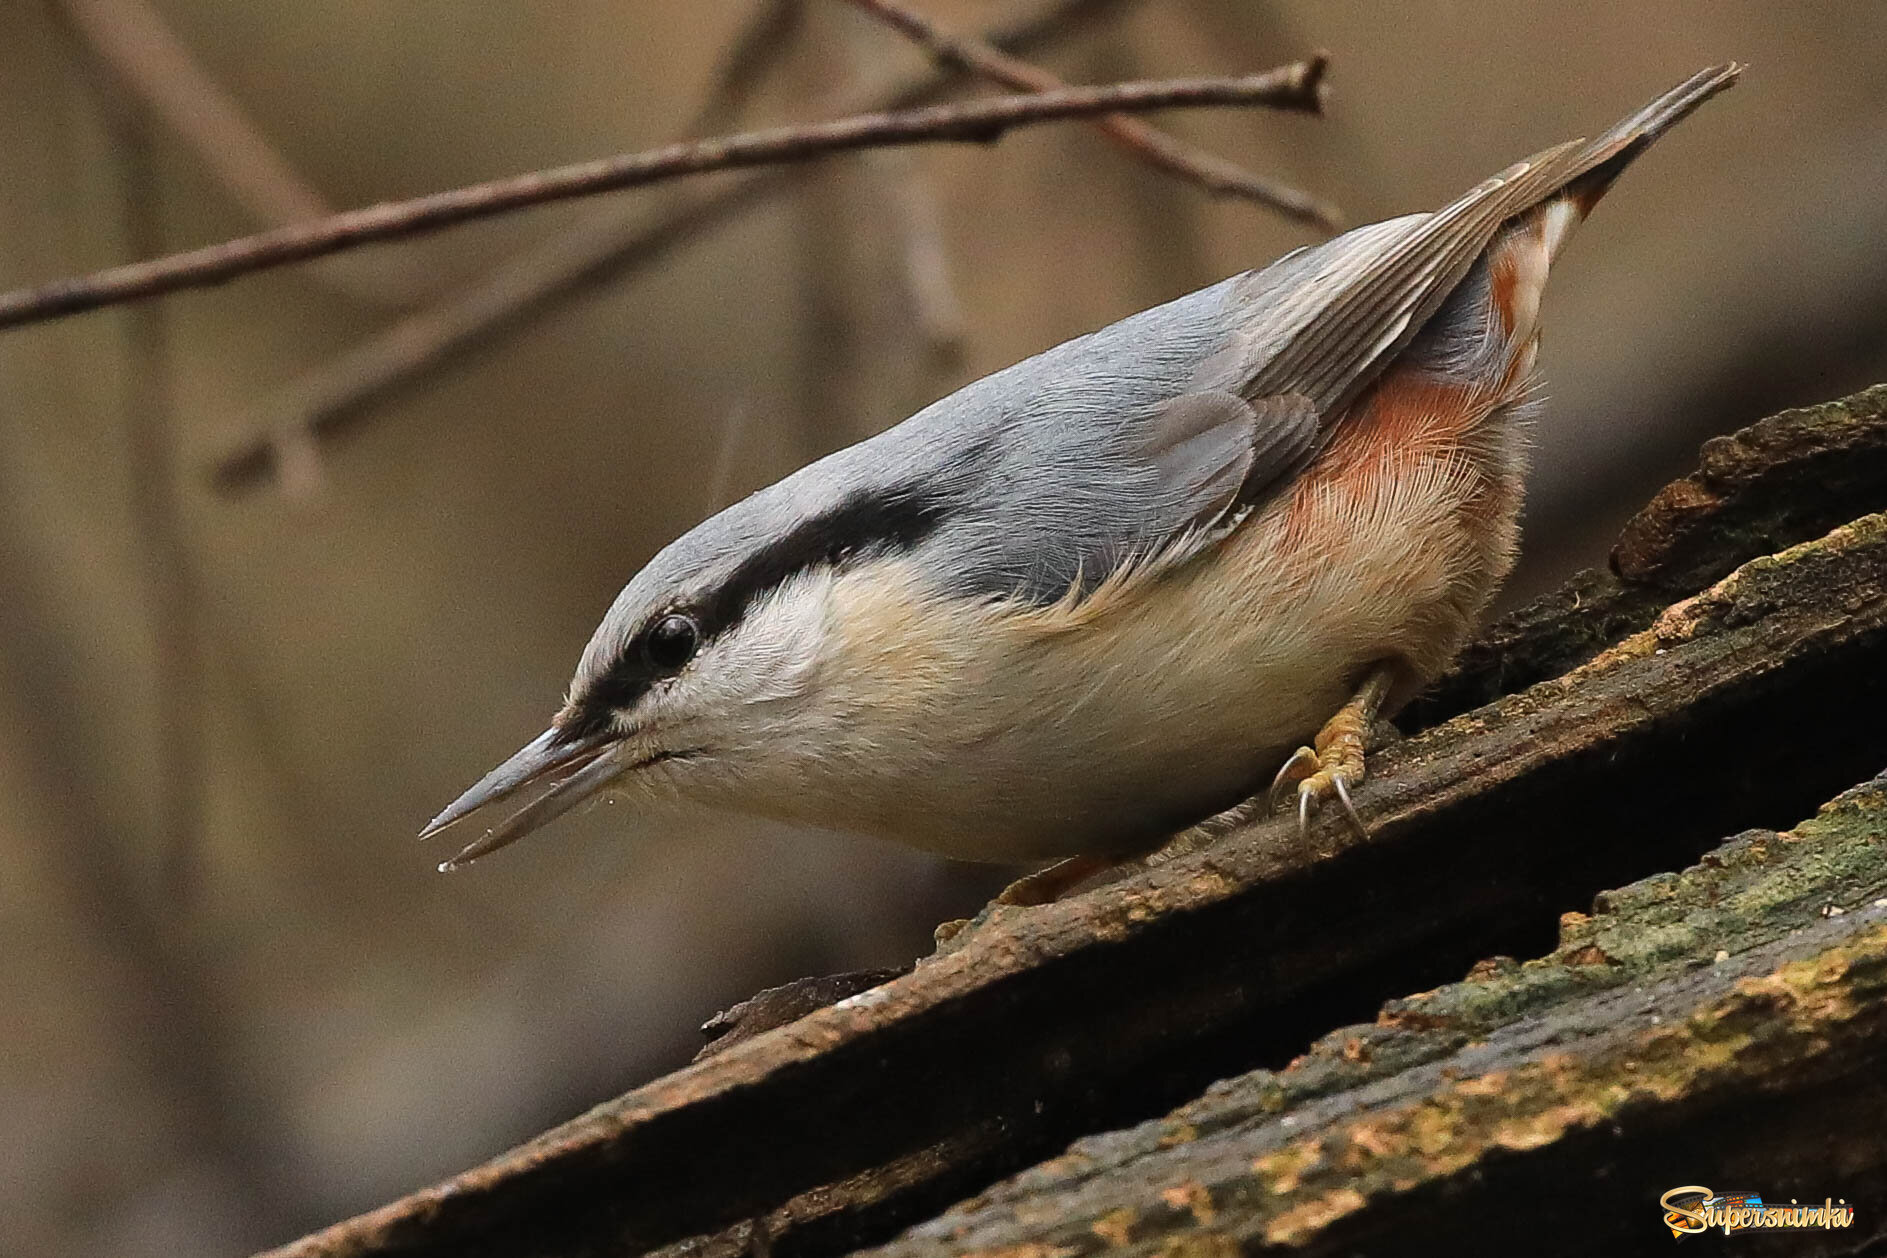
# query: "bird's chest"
(1016, 734)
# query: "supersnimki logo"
(1693, 1209)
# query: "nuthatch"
(1106, 593)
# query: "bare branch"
(324, 402)
(166, 1013)
(1148, 143)
(132, 39)
(1040, 1025)
(977, 121)
(333, 397)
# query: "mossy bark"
(1725, 1025)
(1726, 675)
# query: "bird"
(1108, 592)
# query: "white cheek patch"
(770, 655)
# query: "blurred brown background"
(238, 1002)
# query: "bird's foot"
(1334, 763)
(1319, 774)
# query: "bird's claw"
(1342, 786)
(1301, 765)
(1321, 773)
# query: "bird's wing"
(1101, 453)
(1328, 327)
(1154, 436)
(1324, 323)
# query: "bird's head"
(732, 656)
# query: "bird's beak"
(576, 771)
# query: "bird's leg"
(1334, 762)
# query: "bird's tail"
(1523, 250)
(1391, 279)
(1604, 159)
(1607, 156)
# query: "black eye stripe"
(863, 525)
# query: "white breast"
(1007, 732)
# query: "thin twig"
(904, 201)
(147, 57)
(1147, 142)
(975, 121)
(831, 246)
(333, 397)
(324, 402)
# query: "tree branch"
(978, 121)
(319, 404)
(1146, 142)
(1102, 1011)
(132, 38)
(325, 401)
(1733, 1015)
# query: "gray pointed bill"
(576, 771)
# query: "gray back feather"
(1170, 424)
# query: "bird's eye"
(670, 643)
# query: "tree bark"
(1726, 674)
